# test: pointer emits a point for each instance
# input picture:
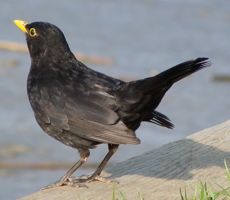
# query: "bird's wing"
(87, 112)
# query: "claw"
(73, 182)
(104, 180)
(95, 178)
(79, 182)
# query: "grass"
(119, 195)
(204, 191)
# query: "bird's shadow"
(172, 161)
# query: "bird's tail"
(154, 88)
(172, 75)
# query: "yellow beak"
(21, 24)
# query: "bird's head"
(43, 39)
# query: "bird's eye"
(32, 32)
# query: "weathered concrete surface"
(160, 174)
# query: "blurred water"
(142, 37)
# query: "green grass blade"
(227, 170)
(113, 194)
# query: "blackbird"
(83, 108)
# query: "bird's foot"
(104, 180)
(68, 182)
(95, 178)
(79, 182)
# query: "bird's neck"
(49, 56)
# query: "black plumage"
(83, 108)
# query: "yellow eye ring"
(32, 32)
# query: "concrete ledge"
(159, 174)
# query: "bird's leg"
(96, 175)
(84, 154)
(66, 179)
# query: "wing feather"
(89, 114)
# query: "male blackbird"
(83, 108)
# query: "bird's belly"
(66, 137)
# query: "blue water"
(143, 38)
